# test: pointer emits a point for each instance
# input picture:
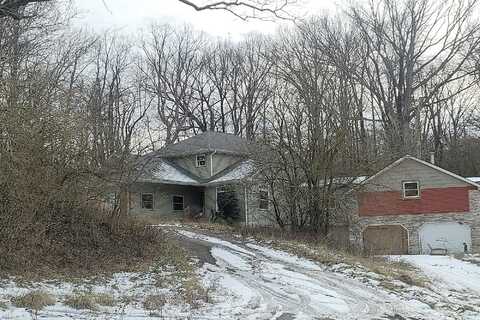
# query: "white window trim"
(183, 202)
(141, 200)
(403, 189)
(204, 159)
(260, 190)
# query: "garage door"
(444, 235)
(388, 239)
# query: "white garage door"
(445, 235)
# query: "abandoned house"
(202, 176)
(415, 207)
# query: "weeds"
(90, 301)
(3, 305)
(34, 300)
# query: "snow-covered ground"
(259, 282)
(250, 280)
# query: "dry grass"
(314, 247)
(80, 246)
(34, 300)
(3, 305)
(104, 299)
(154, 302)
(89, 300)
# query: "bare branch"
(252, 9)
(10, 8)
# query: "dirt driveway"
(257, 282)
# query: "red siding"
(435, 200)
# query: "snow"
(252, 281)
(447, 272)
(163, 172)
(242, 171)
(285, 257)
(259, 282)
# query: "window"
(177, 203)
(147, 201)
(411, 189)
(263, 199)
(201, 160)
(112, 199)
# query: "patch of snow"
(213, 240)
(163, 172)
(447, 271)
(285, 257)
(242, 171)
(230, 258)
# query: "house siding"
(256, 217)
(432, 200)
(409, 170)
(162, 198)
(223, 161)
(189, 163)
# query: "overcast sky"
(130, 15)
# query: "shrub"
(154, 302)
(34, 300)
(81, 300)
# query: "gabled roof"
(207, 142)
(425, 163)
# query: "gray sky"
(130, 15)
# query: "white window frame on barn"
(143, 201)
(407, 190)
(263, 203)
(201, 160)
(178, 202)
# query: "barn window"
(177, 203)
(201, 160)
(147, 201)
(411, 189)
(263, 199)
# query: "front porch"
(177, 202)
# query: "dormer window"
(411, 190)
(201, 160)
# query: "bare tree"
(413, 49)
(245, 9)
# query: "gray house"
(201, 176)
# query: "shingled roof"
(207, 142)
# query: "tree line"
(333, 96)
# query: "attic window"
(201, 160)
(411, 189)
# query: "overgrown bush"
(79, 240)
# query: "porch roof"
(161, 171)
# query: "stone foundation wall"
(412, 222)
